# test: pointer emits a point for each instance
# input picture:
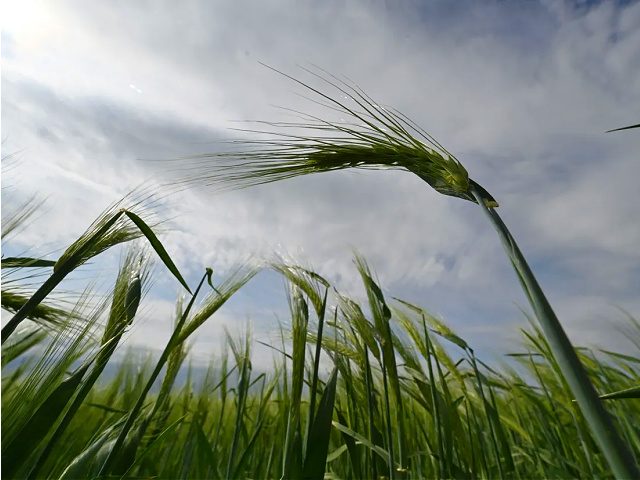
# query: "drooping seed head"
(111, 228)
(374, 137)
(134, 292)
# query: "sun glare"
(25, 20)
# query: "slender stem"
(387, 407)
(369, 384)
(316, 367)
(606, 435)
(435, 402)
(243, 386)
(490, 418)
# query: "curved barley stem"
(606, 435)
(375, 137)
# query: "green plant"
(370, 389)
(115, 226)
(377, 137)
(468, 420)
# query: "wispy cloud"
(521, 92)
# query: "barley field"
(359, 388)
(405, 397)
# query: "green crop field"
(374, 388)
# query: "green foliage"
(375, 137)
(569, 365)
(461, 418)
(320, 431)
(110, 229)
(121, 314)
(401, 395)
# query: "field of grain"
(375, 388)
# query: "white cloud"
(521, 92)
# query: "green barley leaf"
(320, 434)
(158, 247)
(381, 452)
(248, 450)
(633, 392)
(336, 453)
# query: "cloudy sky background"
(521, 92)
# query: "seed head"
(373, 137)
(134, 292)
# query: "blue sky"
(520, 92)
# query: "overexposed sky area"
(520, 91)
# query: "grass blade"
(320, 433)
(158, 247)
(633, 392)
(381, 452)
(316, 365)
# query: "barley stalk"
(616, 451)
(381, 138)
